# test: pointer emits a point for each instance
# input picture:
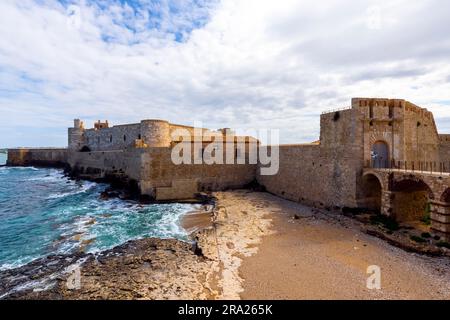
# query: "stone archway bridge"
(435, 183)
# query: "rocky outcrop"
(141, 269)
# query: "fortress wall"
(174, 127)
(187, 129)
(444, 149)
(37, 157)
(114, 138)
(300, 174)
(308, 176)
(421, 139)
(379, 118)
(75, 138)
(98, 164)
(164, 180)
(324, 175)
(408, 130)
(156, 133)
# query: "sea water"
(3, 157)
(43, 212)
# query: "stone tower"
(397, 130)
(76, 135)
(156, 133)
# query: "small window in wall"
(110, 138)
(391, 111)
(371, 111)
(336, 116)
(124, 138)
(139, 136)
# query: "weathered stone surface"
(141, 269)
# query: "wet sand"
(196, 220)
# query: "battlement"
(147, 133)
(101, 125)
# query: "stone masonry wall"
(164, 180)
(421, 139)
(409, 206)
(115, 138)
(444, 150)
(325, 175)
(98, 164)
(408, 130)
(37, 157)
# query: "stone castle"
(379, 154)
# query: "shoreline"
(44, 277)
(196, 220)
(258, 246)
(9, 276)
(206, 268)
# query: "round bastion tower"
(76, 135)
(156, 133)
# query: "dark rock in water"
(206, 198)
(145, 199)
(104, 195)
(125, 196)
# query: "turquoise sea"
(42, 213)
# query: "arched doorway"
(371, 192)
(380, 154)
(411, 201)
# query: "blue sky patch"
(174, 18)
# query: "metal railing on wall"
(410, 166)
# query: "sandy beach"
(308, 254)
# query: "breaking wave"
(86, 187)
(43, 212)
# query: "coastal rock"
(141, 269)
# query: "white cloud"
(261, 63)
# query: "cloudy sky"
(229, 63)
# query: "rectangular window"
(391, 111)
